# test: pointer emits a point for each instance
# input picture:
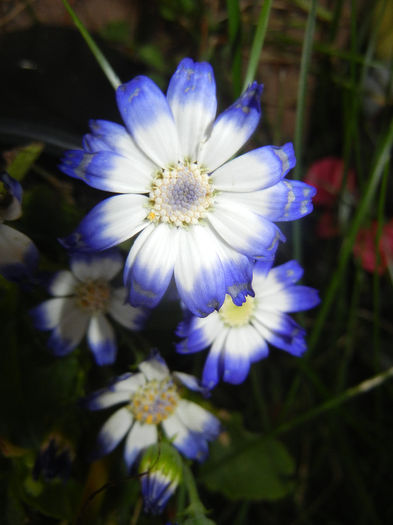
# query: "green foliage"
(247, 466)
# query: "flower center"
(233, 315)
(154, 401)
(180, 195)
(93, 296)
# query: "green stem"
(346, 247)
(102, 61)
(334, 402)
(361, 388)
(300, 112)
(257, 45)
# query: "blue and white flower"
(152, 401)
(82, 299)
(18, 253)
(160, 471)
(200, 216)
(239, 335)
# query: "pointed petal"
(128, 383)
(101, 340)
(199, 272)
(281, 331)
(107, 171)
(212, 371)
(62, 283)
(148, 118)
(243, 346)
(237, 270)
(232, 128)
(125, 314)
(191, 444)
(140, 437)
(192, 98)
(278, 277)
(255, 170)
(285, 201)
(199, 333)
(243, 230)
(113, 431)
(18, 254)
(154, 368)
(109, 136)
(189, 381)
(198, 419)
(101, 265)
(47, 315)
(111, 222)
(292, 299)
(70, 330)
(149, 266)
(105, 398)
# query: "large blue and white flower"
(152, 401)
(239, 335)
(18, 253)
(83, 297)
(200, 216)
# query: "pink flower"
(326, 175)
(365, 245)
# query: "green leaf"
(247, 466)
(23, 158)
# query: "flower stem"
(102, 61)
(257, 43)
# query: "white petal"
(47, 315)
(255, 170)
(70, 330)
(14, 246)
(197, 418)
(199, 273)
(149, 266)
(62, 283)
(148, 118)
(125, 314)
(154, 368)
(111, 222)
(140, 437)
(243, 230)
(232, 128)
(113, 431)
(192, 98)
(102, 265)
(101, 339)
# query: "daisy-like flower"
(200, 216)
(18, 253)
(160, 472)
(239, 335)
(82, 299)
(152, 399)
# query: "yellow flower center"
(154, 401)
(93, 296)
(180, 194)
(233, 315)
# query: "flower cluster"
(196, 216)
(82, 298)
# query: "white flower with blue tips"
(151, 401)
(83, 297)
(18, 253)
(201, 217)
(239, 335)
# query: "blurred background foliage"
(300, 445)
